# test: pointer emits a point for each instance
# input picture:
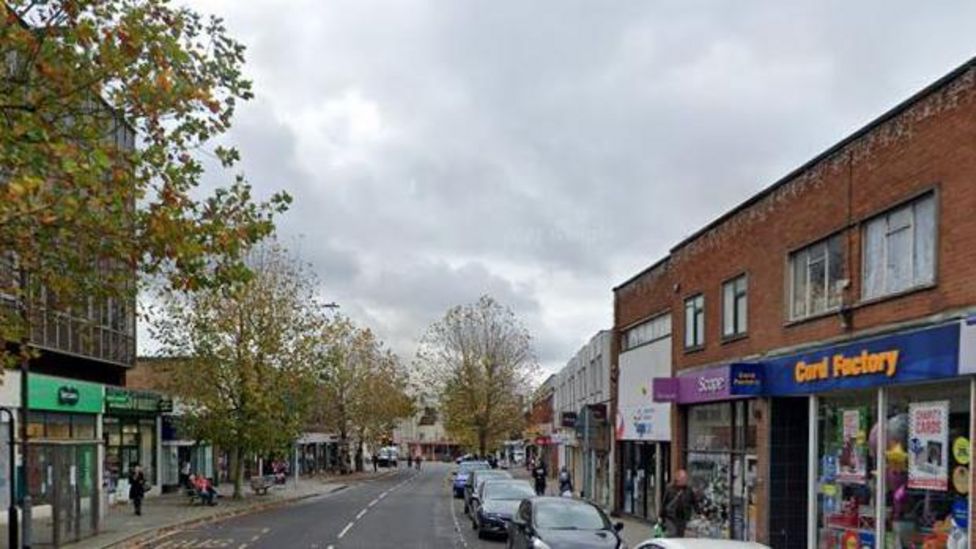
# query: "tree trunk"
(343, 452)
(482, 443)
(237, 471)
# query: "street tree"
(247, 348)
(362, 388)
(105, 110)
(478, 361)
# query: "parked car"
(464, 470)
(465, 457)
(475, 480)
(494, 504)
(694, 543)
(558, 522)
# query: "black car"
(562, 523)
(495, 503)
(475, 480)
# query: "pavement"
(172, 513)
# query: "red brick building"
(821, 352)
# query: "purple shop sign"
(736, 380)
(665, 389)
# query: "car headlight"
(539, 544)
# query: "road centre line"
(374, 502)
(360, 515)
(344, 530)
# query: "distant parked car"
(463, 472)
(694, 543)
(474, 482)
(495, 503)
(557, 522)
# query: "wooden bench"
(261, 484)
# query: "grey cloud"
(545, 151)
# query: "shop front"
(642, 431)
(719, 415)
(131, 431)
(62, 461)
(890, 431)
(181, 452)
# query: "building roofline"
(870, 126)
(646, 270)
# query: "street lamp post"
(24, 404)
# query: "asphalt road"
(406, 509)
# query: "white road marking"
(457, 526)
(255, 538)
(330, 547)
(344, 530)
(360, 515)
(265, 530)
(242, 546)
(374, 502)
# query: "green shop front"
(62, 460)
(131, 432)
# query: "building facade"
(424, 435)
(822, 367)
(581, 428)
(540, 425)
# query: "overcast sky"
(545, 151)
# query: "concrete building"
(822, 369)
(582, 434)
(424, 435)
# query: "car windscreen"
(468, 466)
(568, 515)
(508, 490)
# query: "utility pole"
(24, 405)
(12, 504)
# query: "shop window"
(846, 483)
(816, 278)
(695, 322)
(927, 462)
(35, 425)
(899, 249)
(58, 426)
(735, 310)
(722, 466)
(83, 427)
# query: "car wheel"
(465, 508)
(481, 534)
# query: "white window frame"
(791, 264)
(697, 340)
(740, 300)
(912, 207)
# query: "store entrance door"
(789, 447)
(72, 492)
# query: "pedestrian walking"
(417, 460)
(185, 474)
(409, 461)
(374, 460)
(678, 504)
(539, 474)
(565, 482)
(137, 487)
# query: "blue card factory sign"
(930, 353)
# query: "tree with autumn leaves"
(478, 362)
(361, 391)
(105, 109)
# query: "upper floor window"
(735, 310)
(816, 278)
(695, 321)
(899, 249)
(645, 332)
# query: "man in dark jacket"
(677, 505)
(539, 474)
(137, 487)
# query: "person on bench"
(206, 490)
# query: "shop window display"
(927, 459)
(846, 485)
(721, 464)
